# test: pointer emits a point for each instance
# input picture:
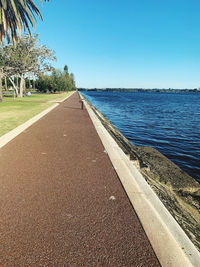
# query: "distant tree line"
(154, 90)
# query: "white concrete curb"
(169, 241)
(13, 133)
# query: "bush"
(56, 82)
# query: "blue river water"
(169, 122)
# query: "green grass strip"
(14, 112)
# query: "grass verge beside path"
(17, 111)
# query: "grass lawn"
(14, 112)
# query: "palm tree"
(15, 16)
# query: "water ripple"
(166, 121)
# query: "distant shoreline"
(154, 90)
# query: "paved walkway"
(61, 203)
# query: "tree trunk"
(21, 88)
(15, 88)
(1, 94)
(17, 81)
(24, 87)
(6, 84)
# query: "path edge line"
(4, 139)
(170, 243)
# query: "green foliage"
(22, 64)
(66, 69)
(57, 81)
(44, 84)
(24, 59)
(16, 15)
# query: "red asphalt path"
(61, 202)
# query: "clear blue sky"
(125, 43)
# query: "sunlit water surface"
(168, 122)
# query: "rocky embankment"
(179, 192)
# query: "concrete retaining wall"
(179, 192)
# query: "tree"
(56, 82)
(24, 58)
(66, 69)
(15, 16)
(72, 79)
